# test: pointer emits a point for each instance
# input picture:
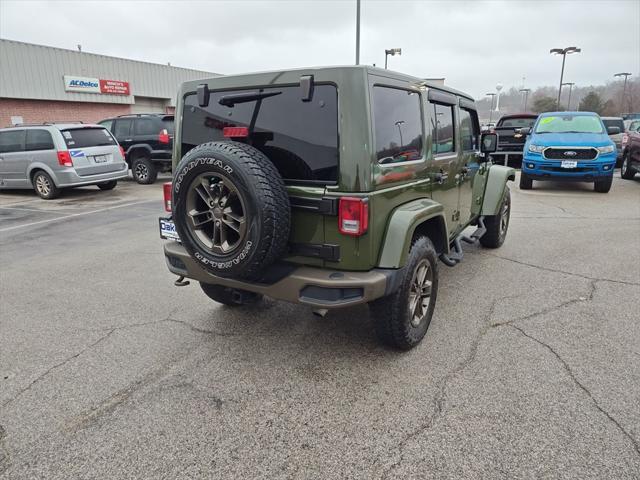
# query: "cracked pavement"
(530, 368)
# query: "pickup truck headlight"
(536, 148)
(607, 149)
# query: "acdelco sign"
(81, 84)
(95, 85)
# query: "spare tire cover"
(231, 209)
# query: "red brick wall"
(38, 111)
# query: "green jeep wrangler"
(330, 187)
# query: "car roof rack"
(141, 114)
(40, 124)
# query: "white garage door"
(148, 105)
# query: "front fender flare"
(497, 179)
(401, 227)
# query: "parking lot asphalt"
(530, 368)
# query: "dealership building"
(46, 84)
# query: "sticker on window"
(67, 135)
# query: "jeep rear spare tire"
(231, 209)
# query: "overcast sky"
(473, 44)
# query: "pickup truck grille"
(557, 153)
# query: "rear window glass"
(614, 123)
(517, 122)
(39, 140)
(300, 138)
(167, 122)
(87, 137)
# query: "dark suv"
(147, 139)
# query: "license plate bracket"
(168, 229)
(100, 159)
(568, 164)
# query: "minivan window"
(469, 133)
(397, 121)
(442, 129)
(39, 140)
(87, 137)
(12, 141)
(300, 138)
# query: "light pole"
(564, 52)
(498, 88)
(526, 97)
(399, 124)
(571, 84)
(492, 95)
(357, 32)
(624, 88)
(392, 52)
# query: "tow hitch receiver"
(455, 257)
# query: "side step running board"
(455, 257)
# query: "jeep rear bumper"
(316, 287)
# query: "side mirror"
(613, 130)
(524, 130)
(489, 142)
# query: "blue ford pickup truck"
(569, 146)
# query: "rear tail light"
(64, 159)
(166, 188)
(122, 152)
(163, 137)
(353, 216)
(233, 132)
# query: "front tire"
(497, 225)
(401, 319)
(143, 170)
(231, 297)
(44, 186)
(526, 183)
(603, 185)
(626, 171)
(110, 185)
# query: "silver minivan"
(50, 157)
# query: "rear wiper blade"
(231, 100)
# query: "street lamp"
(392, 52)
(492, 95)
(624, 89)
(526, 97)
(399, 124)
(357, 32)
(571, 84)
(564, 52)
(498, 88)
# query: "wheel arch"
(137, 151)
(418, 217)
(36, 167)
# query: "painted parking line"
(38, 210)
(75, 215)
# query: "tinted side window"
(39, 140)
(145, 126)
(12, 141)
(398, 125)
(469, 133)
(443, 130)
(122, 128)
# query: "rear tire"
(231, 297)
(604, 185)
(144, 171)
(44, 186)
(497, 225)
(401, 319)
(526, 183)
(110, 185)
(626, 171)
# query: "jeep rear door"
(471, 183)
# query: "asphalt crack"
(577, 382)
(57, 366)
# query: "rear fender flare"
(494, 191)
(402, 224)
